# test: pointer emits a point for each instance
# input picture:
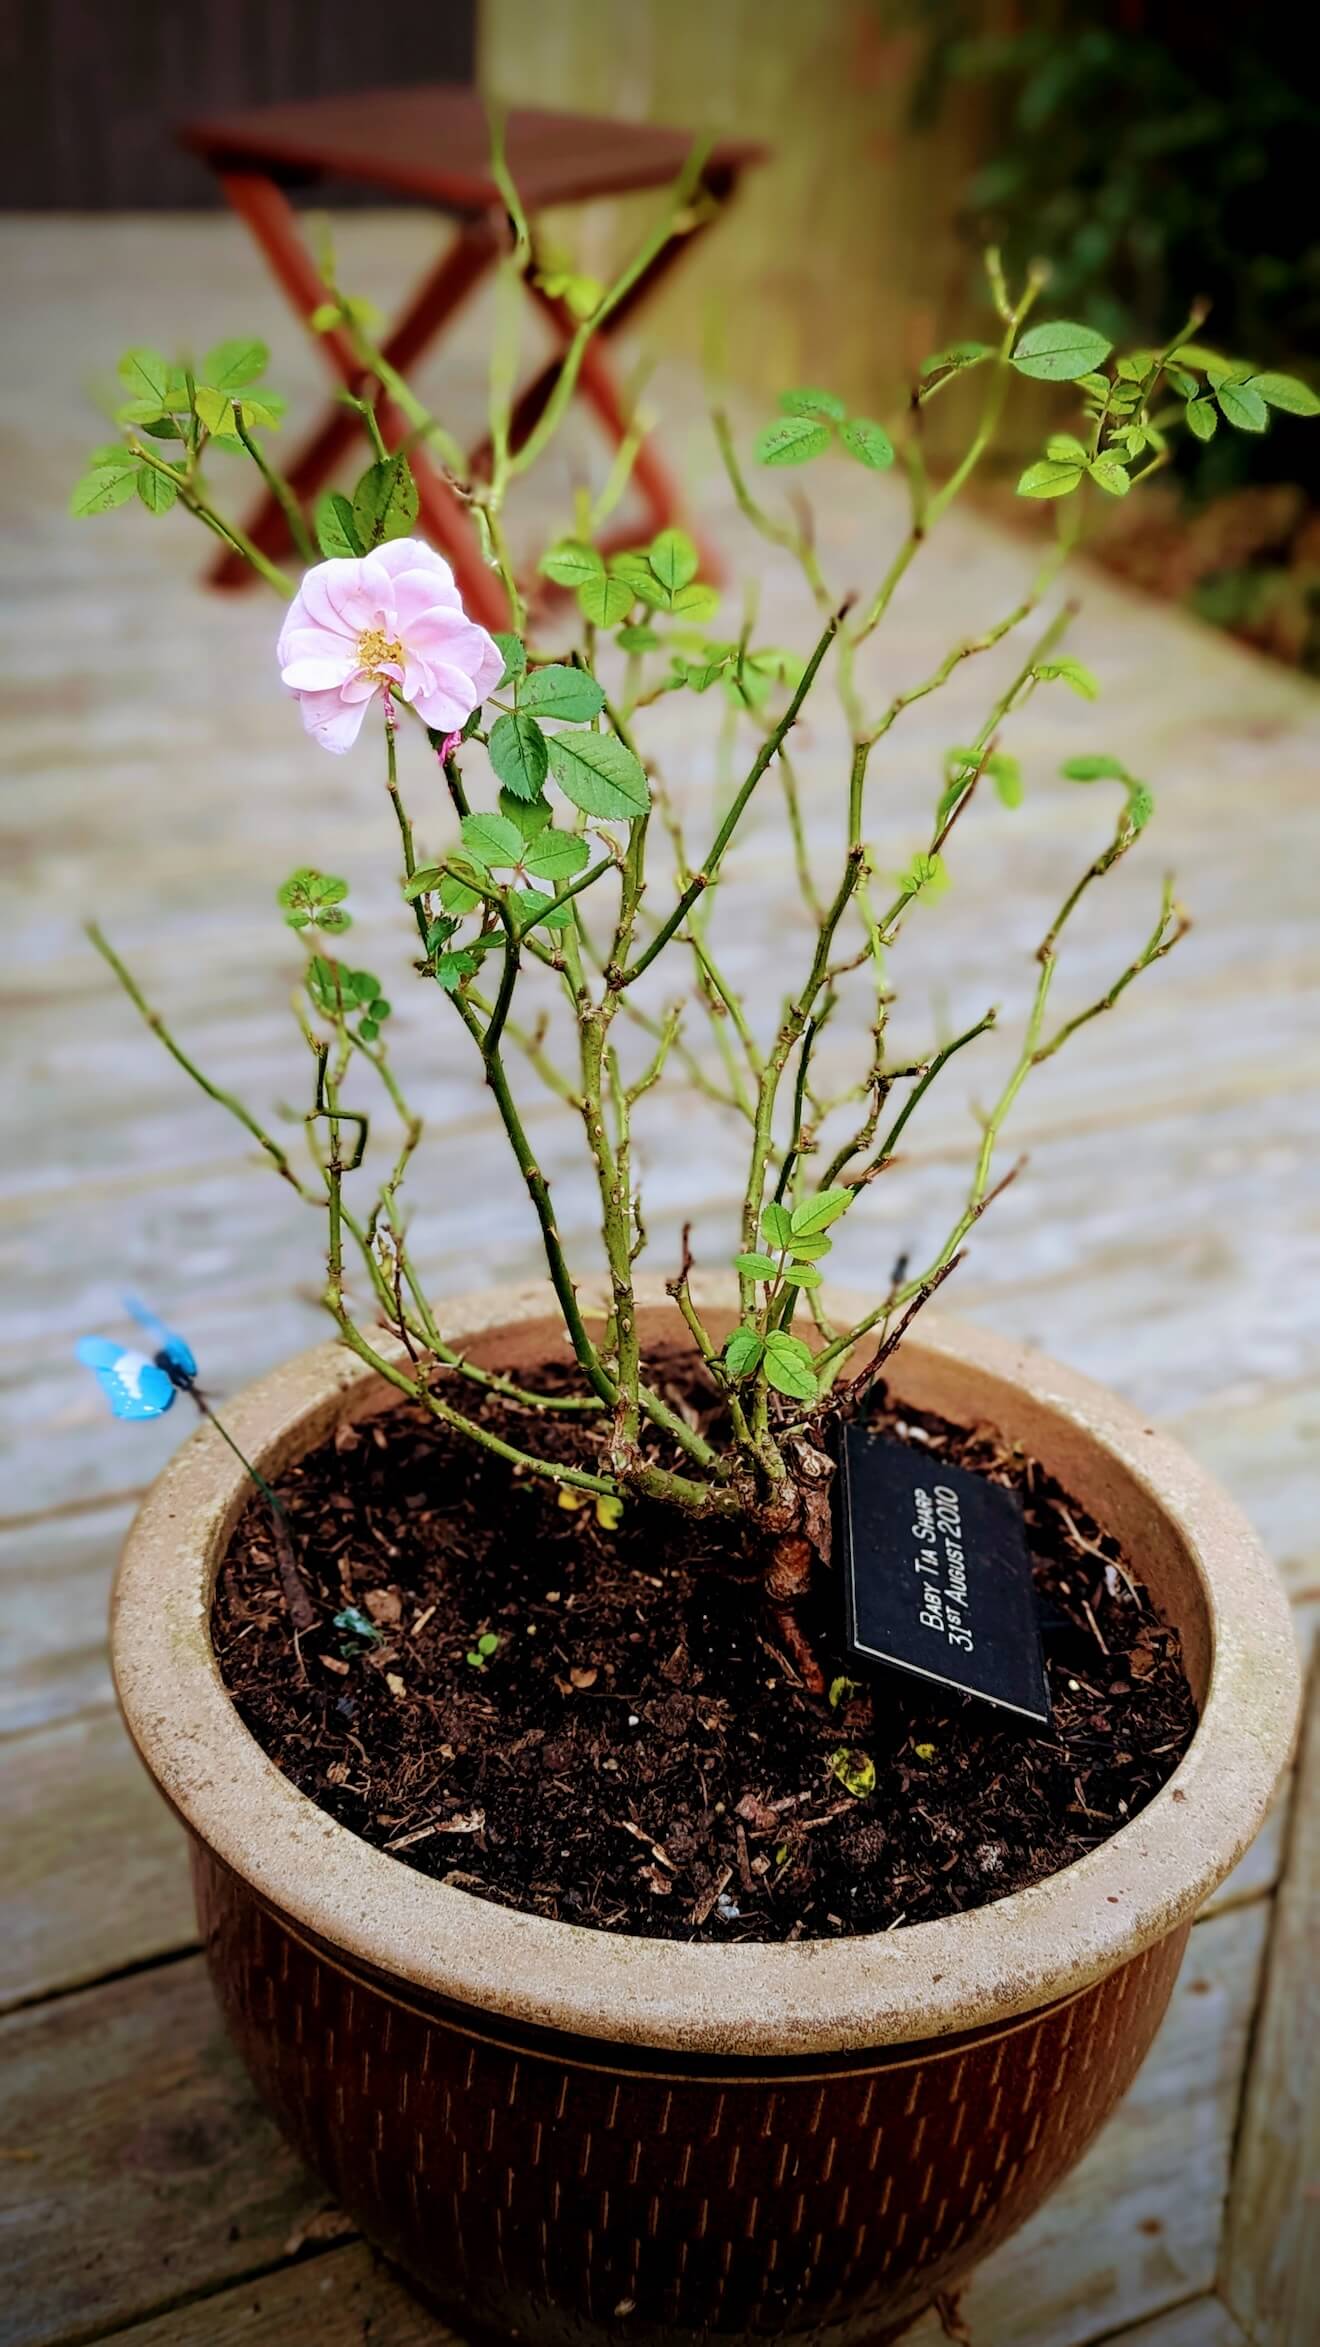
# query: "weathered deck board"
(54, 1586)
(343, 2298)
(1271, 2270)
(92, 1861)
(1203, 2322)
(139, 2168)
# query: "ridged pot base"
(564, 2191)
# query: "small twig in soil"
(1099, 1633)
(701, 1911)
(297, 1595)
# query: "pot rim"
(760, 1999)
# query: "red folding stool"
(433, 143)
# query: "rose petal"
(447, 701)
(416, 594)
(332, 720)
(332, 596)
(405, 554)
(318, 672)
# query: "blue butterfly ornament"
(137, 1385)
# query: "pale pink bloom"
(392, 617)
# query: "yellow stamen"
(375, 649)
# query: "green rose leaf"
(789, 1366)
(530, 817)
(816, 1214)
(1060, 351)
(1202, 418)
(696, 602)
(606, 600)
(104, 486)
(513, 652)
(599, 774)
(537, 910)
(756, 1266)
(868, 442)
(452, 968)
(809, 1250)
(1006, 775)
(633, 569)
(385, 502)
(571, 563)
(231, 365)
(491, 840)
(1068, 672)
(794, 440)
(1241, 405)
(556, 855)
(926, 878)
(425, 877)
(638, 639)
(1050, 477)
(145, 376)
(216, 411)
(560, 692)
(313, 900)
(1141, 805)
(336, 530)
(742, 1353)
(1108, 474)
(519, 755)
(157, 491)
(266, 409)
(955, 360)
(803, 1275)
(821, 405)
(455, 895)
(673, 558)
(777, 1223)
(1286, 392)
(1094, 766)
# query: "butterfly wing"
(133, 1385)
(165, 1339)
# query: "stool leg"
(598, 386)
(273, 223)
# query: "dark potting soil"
(635, 1752)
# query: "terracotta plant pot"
(566, 2135)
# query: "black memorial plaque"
(937, 1574)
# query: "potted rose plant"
(631, 1952)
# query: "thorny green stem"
(279, 488)
(701, 880)
(279, 1157)
(191, 497)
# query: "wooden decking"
(1165, 1238)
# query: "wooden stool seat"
(433, 144)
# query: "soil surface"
(633, 1752)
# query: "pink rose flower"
(391, 618)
